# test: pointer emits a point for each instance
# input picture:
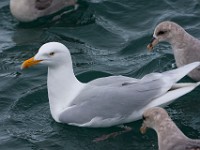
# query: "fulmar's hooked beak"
(153, 42)
(30, 62)
(143, 128)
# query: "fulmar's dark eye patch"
(161, 32)
(143, 117)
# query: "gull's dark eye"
(143, 117)
(161, 32)
(51, 54)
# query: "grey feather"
(43, 4)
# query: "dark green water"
(105, 37)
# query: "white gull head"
(54, 54)
(62, 84)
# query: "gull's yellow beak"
(30, 62)
(143, 128)
(153, 42)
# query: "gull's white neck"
(63, 87)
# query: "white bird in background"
(30, 10)
(108, 101)
(170, 137)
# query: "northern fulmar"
(186, 48)
(170, 137)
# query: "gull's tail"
(179, 73)
(177, 89)
(173, 94)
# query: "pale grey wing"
(121, 99)
(43, 4)
(180, 72)
(112, 80)
(109, 101)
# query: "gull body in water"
(107, 101)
